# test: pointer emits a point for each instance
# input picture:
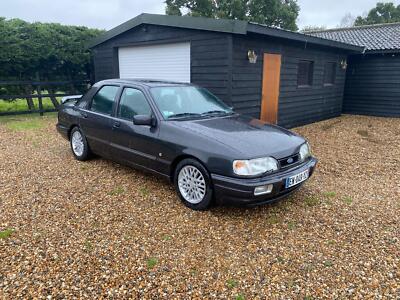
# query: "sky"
(106, 14)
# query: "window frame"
(116, 99)
(120, 97)
(334, 73)
(310, 77)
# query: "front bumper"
(240, 191)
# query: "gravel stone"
(97, 229)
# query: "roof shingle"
(378, 37)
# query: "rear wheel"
(79, 145)
(193, 184)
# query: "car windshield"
(177, 102)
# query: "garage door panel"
(161, 62)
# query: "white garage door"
(161, 62)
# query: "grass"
(239, 297)
(167, 238)
(311, 201)
(151, 262)
(6, 233)
(273, 219)
(88, 246)
(330, 194)
(291, 225)
(144, 191)
(26, 122)
(348, 200)
(231, 283)
(21, 105)
(328, 263)
(117, 191)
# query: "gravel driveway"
(101, 230)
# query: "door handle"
(116, 124)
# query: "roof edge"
(300, 37)
(355, 27)
(200, 23)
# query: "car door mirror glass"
(144, 120)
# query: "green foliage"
(382, 13)
(348, 200)
(231, 283)
(311, 201)
(6, 233)
(151, 262)
(43, 52)
(277, 13)
(117, 191)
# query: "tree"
(347, 21)
(279, 13)
(382, 13)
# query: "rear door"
(134, 144)
(96, 120)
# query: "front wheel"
(79, 145)
(193, 184)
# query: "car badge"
(290, 160)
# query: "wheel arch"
(181, 157)
(70, 130)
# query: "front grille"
(289, 161)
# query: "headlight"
(255, 167)
(305, 151)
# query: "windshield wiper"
(183, 115)
(212, 112)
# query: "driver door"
(130, 143)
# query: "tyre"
(193, 184)
(79, 145)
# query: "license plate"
(296, 179)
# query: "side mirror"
(144, 120)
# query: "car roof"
(142, 82)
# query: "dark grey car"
(185, 134)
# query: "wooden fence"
(27, 91)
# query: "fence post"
(39, 91)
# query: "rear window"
(104, 99)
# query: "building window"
(330, 73)
(305, 73)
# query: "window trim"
(327, 84)
(120, 97)
(311, 82)
(116, 97)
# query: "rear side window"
(329, 73)
(305, 73)
(104, 99)
(133, 103)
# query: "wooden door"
(270, 88)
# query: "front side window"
(186, 101)
(305, 73)
(329, 73)
(133, 103)
(104, 99)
